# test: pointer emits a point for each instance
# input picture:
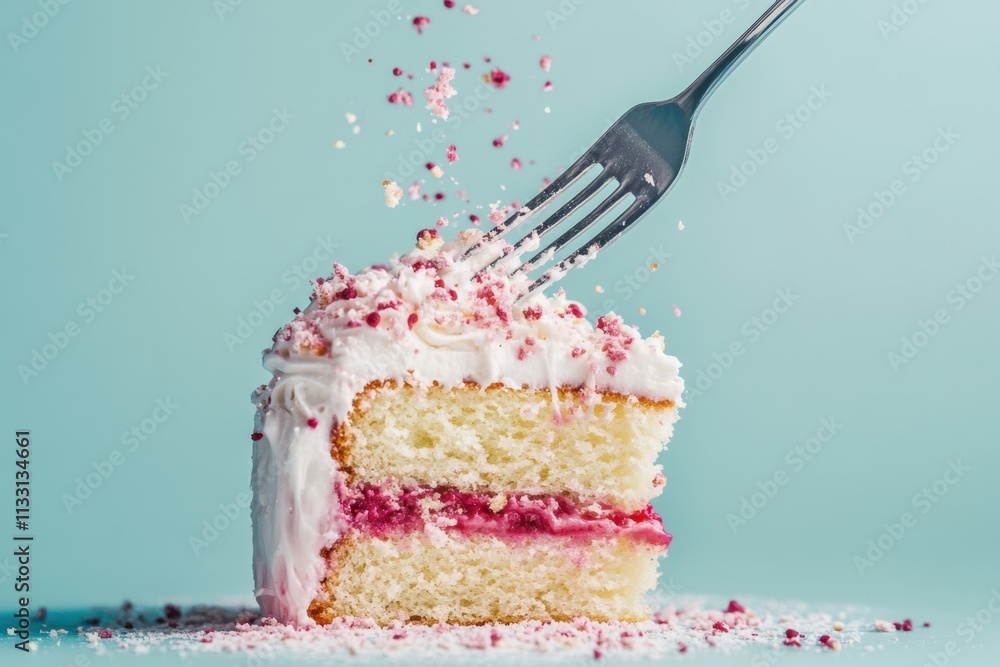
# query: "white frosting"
(424, 319)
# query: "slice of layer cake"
(432, 450)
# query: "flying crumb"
(439, 92)
(654, 266)
(356, 129)
(677, 311)
(393, 193)
(401, 97)
(419, 22)
(547, 87)
(680, 226)
(437, 171)
(414, 191)
(497, 77)
(598, 289)
(470, 10)
(441, 222)
(452, 154)
(339, 144)
(515, 164)
(642, 311)
(838, 626)
(350, 117)
(389, 133)
(548, 110)
(545, 63)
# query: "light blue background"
(784, 229)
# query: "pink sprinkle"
(735, 607)
(720, 626)
(373, 318)
(441, 222)
(547, 87)
(545, 63)
(474, 219)
(449, 3)
(419, 22)
(439, 196)
(313, 422)
(611, 371)
(791, 634)
(677, 311)
(907, 625)
(927, 625)
(411, 321)
(500, 141)
(682, 647)
(498, 77)
(578, 352)
(401, 97)
(397, 72)
(515, 164)
(433, 66)
(255, 436)
(104, 634)
(414, 191)
(452, 154)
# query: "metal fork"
(642, 153)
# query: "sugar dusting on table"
(685, 625)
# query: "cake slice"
(430, 449)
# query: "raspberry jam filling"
(376, 511)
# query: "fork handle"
(699, 91)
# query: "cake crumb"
(437, 171)
(545, 63)
(339, 144)
(350, 117)
(393, 193)
(680, 226)
(648, 177)
(439, 91)
(884, 626)
(598, 289)
(677, 311)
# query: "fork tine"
(588, 221)
(602, 240)
(537, 203)
(553, 220)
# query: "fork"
(642, 154)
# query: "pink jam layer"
(376, 511)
